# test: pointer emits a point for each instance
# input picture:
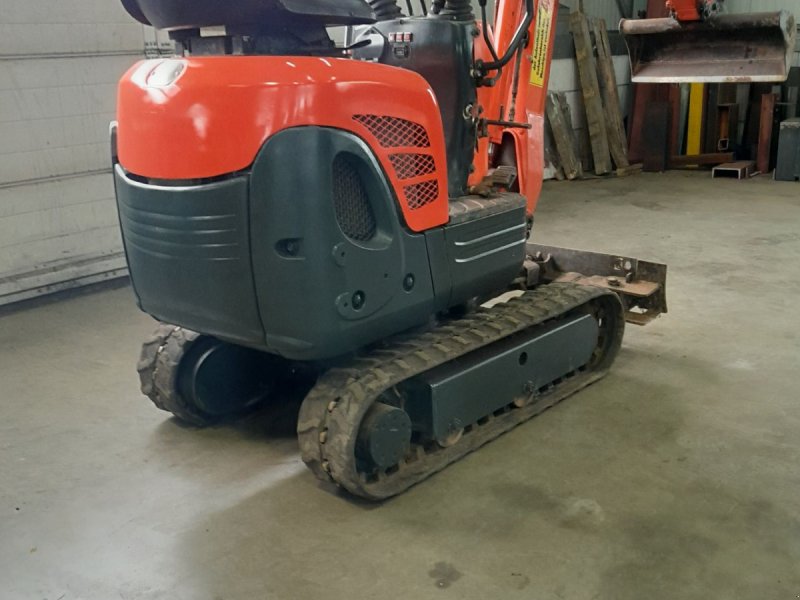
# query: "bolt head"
(358, 299)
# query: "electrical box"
(788, 166)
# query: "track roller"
(387, 420)
(384, 436)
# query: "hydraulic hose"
(461, 10)
(519, 38)
(385, 10)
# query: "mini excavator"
(331, 218)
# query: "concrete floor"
(678, 476)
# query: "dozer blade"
(723, 48)
(641, 285)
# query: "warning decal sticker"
(541, 42)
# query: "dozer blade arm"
(640, 284)
(754, 47)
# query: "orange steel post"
(532, 96)
(509, 14)
(528, 106)
(493, 100)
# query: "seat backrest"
(246, 14)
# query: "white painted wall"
(743, 6)
(59, 64)
(564, 78)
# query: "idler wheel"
(384, 436)
(222, 379)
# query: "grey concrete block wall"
(60, 61)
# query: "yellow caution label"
(541, 42)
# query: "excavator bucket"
(723, 48)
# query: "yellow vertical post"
(694, 133)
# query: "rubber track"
(158, 372)
(332, 412)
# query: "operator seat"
(246, 14)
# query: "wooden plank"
(767, 124)
(694, 135)
(567, 112)
(562, 137)
(580, 138)
(656, 136)
(697, 160)
(585, 150)
(630, 170)
(615, 130)
(551, 157)
(590, 86)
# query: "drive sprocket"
(200, 379)
(332, 415)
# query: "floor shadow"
(578, 480)
(297, 538)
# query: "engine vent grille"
(350, 201)
(420, 194)
(407, 166)
(394, 132)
